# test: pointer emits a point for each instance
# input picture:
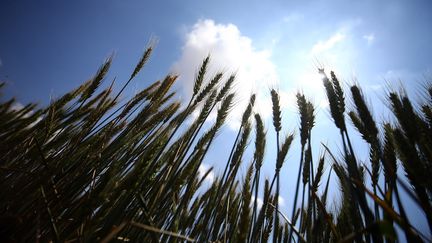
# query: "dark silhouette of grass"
(86, 168)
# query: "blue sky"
(50, 47)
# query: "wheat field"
(89, 168)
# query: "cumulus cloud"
(202, 170)
(231, 52)
(328, 44)
(370, 38)
(259, 202)
(17, 106)
(311, 80)
(281, 201)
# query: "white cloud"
(286, 100)
(370, 38)
(202, 170)
(259, 202)
(311, 80)
(281, 201)
(230, 52)
(308, 81)
(322, 46)
(16, 106)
